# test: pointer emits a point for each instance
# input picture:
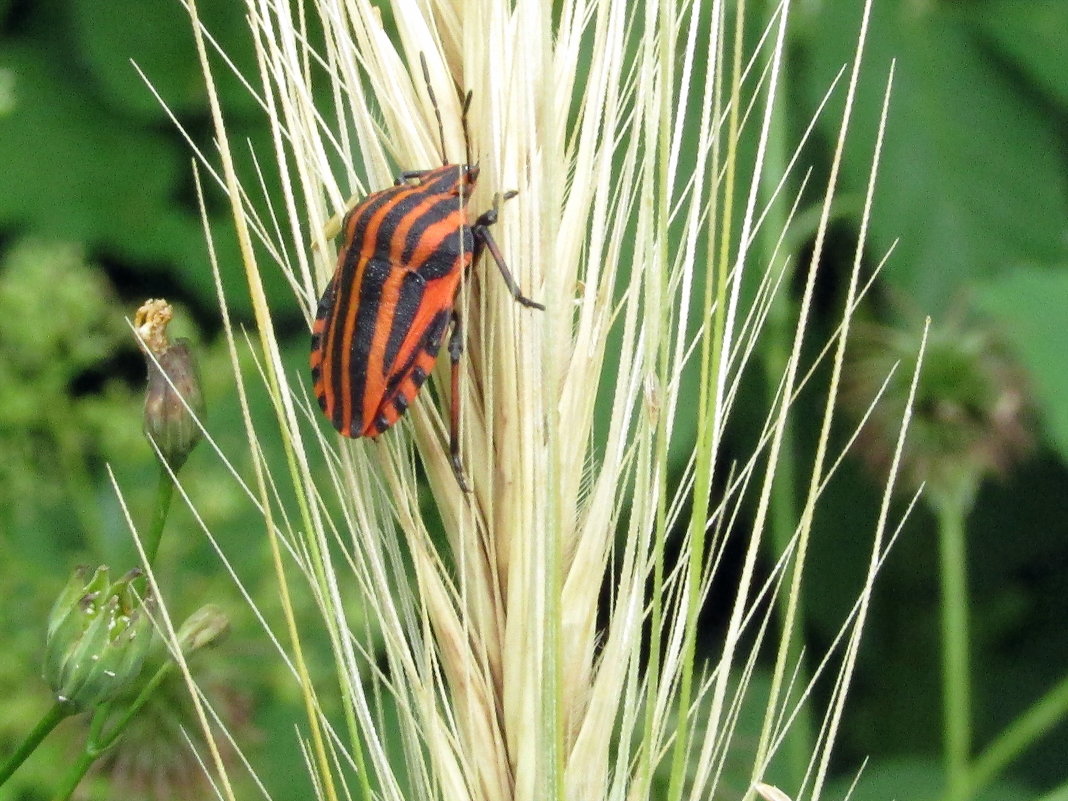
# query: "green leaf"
(1030, 302)
(112, 33)
(67, 167)
(971, 178)
(1033, 36)
(915, 780)
(71, 170)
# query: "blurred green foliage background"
(97, 213)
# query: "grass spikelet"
(540, 632)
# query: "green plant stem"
(49, 720)
(164, 493)
(1043, 715)
(78, 770)
(97, 743)
(956, 678)
(85, 759)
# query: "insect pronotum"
(383, 316)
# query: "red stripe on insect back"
(412, 371)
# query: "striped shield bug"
(384, 315)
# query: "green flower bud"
(173, 400)
(98, 635)
(205, 628)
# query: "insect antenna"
(437, 111)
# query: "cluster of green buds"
(99, 632)
(174, 402)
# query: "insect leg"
(484, 239)
(456, 348)
(409, 175)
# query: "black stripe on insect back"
(387, 229)
(443, 179)
(408, 300)
(342, 294)
(433, 215)
(326, 302)
(319, 333)
(368, 296)
(443, 258)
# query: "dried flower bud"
(205, 628)
(173, 400)
(98, 635)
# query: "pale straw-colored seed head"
(539, 643)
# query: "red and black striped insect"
(382, 319)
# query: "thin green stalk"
(164, 493)
(97, 743)
(717, 283)
(87, 757)
(798, 744)
(96, 727)
(1043, 715)
(956, 680)
(74, 777)
(49, 720)
(665, 67)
